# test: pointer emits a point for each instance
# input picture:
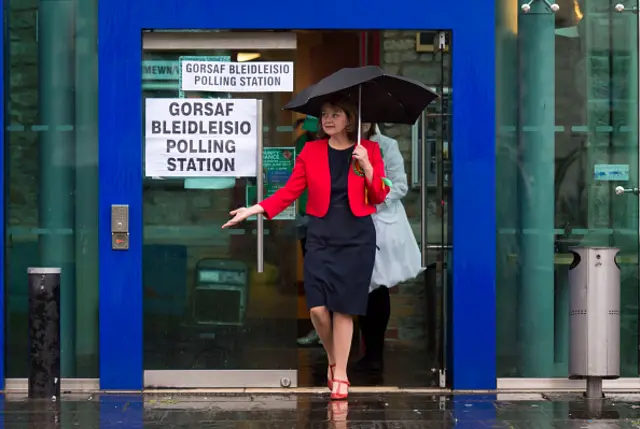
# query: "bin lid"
(617, 249)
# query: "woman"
(344, 180)
(398, 257)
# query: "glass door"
(567, 111)
(616, 166)
(435, 172)
(210, 320)
(415, 338)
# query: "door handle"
(438, 246)
(423, 185)
(260, 191)
(619, 190)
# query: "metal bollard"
(594, 313)
(44, 332)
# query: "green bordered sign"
(160, 70)
(277, 165)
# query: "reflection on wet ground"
(362, 410)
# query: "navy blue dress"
(341, 248)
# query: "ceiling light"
(247, 56)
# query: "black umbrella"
(380, 96)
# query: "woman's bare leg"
(321, 319)
(342, 336)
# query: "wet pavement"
(370, 410)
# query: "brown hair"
(371, 132)
(352, 116)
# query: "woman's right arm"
(291, 191)
(279, 201)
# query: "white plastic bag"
(398, 257)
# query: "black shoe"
(311, 339)
(369, 364)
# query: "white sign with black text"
(215, 76)
(201, 138)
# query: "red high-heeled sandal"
(330, 380)
(336, 396)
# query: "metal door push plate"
(120, 240)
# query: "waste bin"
(594, 313)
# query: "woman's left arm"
(394, 170)
(377, 189)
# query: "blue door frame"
(472, 341)
(3, 199)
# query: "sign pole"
(260, 189)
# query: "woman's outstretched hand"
(241, 214)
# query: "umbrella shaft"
(359, 114)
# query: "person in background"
(398, 256)
(346, 180)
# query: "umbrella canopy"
(380, 96)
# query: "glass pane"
(563, 120)
(205, 305)
(52, 174)
(415, 334)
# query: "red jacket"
(311, 171)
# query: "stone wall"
(23, 111)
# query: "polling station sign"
(201, 138)
(273, 76)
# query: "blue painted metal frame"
(121, 22)
(5, 171)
